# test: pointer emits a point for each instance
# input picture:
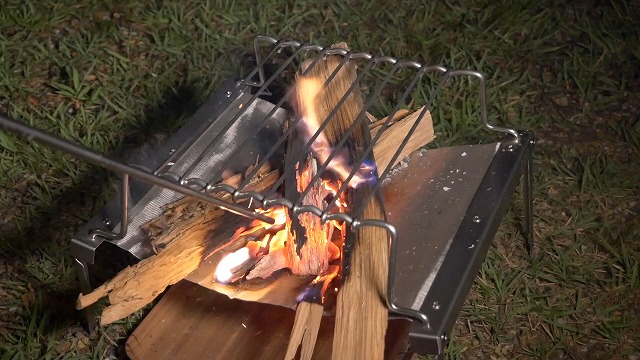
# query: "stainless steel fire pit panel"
(205, 159)
(150, 157)
(426, 200)
(212, 158)
(474, 235)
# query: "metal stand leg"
(527, 174)
(85, 286)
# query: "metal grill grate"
(370, 66)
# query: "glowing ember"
(276, 250)
(230, 263)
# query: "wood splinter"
(305, 330)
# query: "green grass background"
(110, 74)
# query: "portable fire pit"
(442, 206)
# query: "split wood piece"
(400, 114)
(218, 328)
(331, 95)
(391, 138)
(360, 333)
(309, 314)
(138, 285)
(362, 312)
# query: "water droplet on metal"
(476, 219)
(106, 221)
(436, 305)
(172, 151)
(228, 93)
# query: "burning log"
(361, 316)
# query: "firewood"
(176, 225)
(362, 315)
(399, 115)
(216, 327)
(387, 145)
(305, 330)
(182, 233)
(137, 285)
(281, 288)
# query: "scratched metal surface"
(150, 206)
(426, 200)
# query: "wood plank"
(191, 322)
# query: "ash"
(395, 170)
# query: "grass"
(110, 75)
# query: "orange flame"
(278, 249)
(307, 92)
(281, 239)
